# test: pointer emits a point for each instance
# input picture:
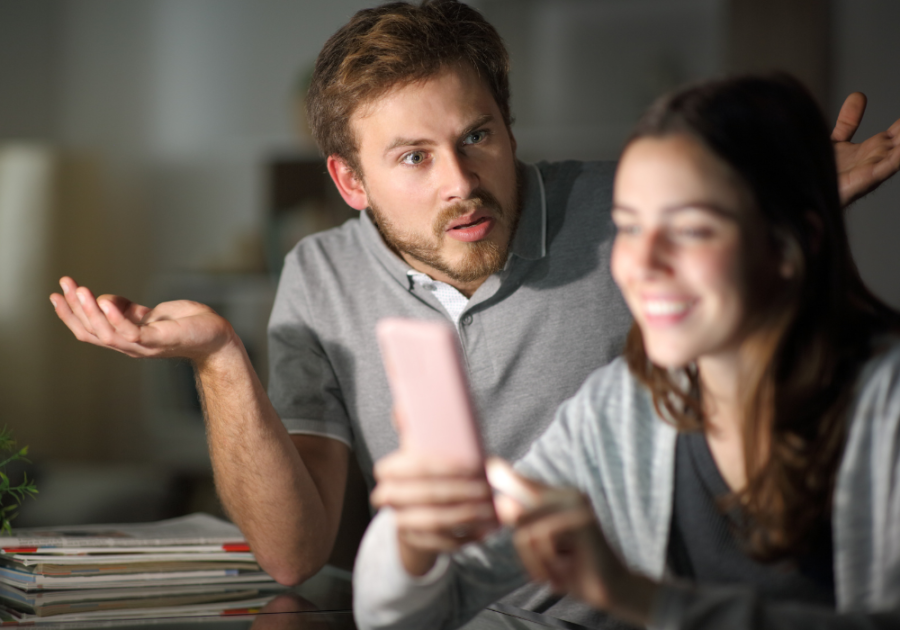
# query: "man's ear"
(347, 183)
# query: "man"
(410, 107)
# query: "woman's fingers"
(452, 525)
(438, 505)
(554, 545)
(431, 491)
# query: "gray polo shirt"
(530, 334)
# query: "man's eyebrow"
(409, 142)
(481, 121)
(425, 142)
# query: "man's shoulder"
(573, 170)
(339, 251)
(345, 242)
(574, 187)
(578, 197)
(337, 261)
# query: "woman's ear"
(788, 267)
(348, 183)
(791, 252)
(816, 229)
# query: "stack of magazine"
(192, 565)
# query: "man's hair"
(394, 45)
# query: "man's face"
(439, 173)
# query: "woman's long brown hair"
(809, 330)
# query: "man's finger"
(73, 323)
(894, 131)
(134, 312)
(70, 294)
(123, 325)
(100, 325)
(849, 117)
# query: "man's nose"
(459, 178)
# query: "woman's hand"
(560, 543)
(439, 506)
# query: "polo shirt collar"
(529, 241)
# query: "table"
(321, 603)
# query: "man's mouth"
(467, 225)
(470, 227)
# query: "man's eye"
(475, 137)
(414, 157)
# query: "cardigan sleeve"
(456, 589)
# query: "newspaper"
(249, 606)
(194, 529)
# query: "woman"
(750, 436)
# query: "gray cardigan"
(609, 442)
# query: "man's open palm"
(172, 329)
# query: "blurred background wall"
(153, 148)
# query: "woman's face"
(677, 257)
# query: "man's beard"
(481, 258)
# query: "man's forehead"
(471, 91)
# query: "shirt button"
(467, 319)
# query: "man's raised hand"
(863, 166)
(171, 329)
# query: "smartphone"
(430, 390)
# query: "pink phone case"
(429, 386)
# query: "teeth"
(665, 307)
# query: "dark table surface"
(323, 602)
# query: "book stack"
(190, 565)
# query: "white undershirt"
(452, 300)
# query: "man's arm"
(864, 166)
(285, 493)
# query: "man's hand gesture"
(172, 329)
(862, 167)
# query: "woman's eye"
(627, 229)
(697, 232)
(475, 137)
(414, 158)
